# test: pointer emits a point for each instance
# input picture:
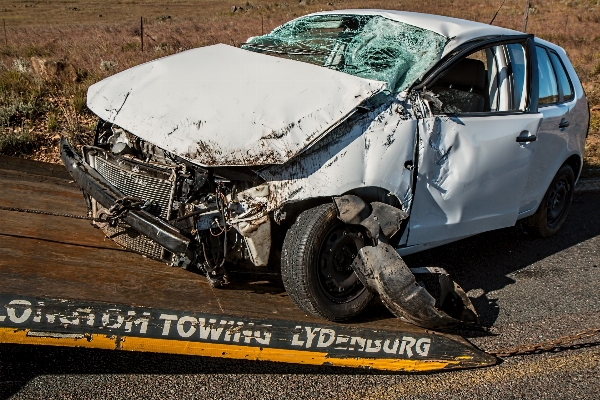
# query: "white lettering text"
(168, 318)
(12, 315)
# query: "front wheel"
(555, 205)
(316, 265)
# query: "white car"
(339, 133)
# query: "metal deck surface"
(46, 259)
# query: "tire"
(555, 206)
(316, 261)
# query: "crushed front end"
(164, 207)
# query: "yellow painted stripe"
(11, 335)
(277, 355)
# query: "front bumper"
(107, 195)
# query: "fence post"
(526, 16)
(142, 32)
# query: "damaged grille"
(131, 239)
(147, 188)
(149, 183)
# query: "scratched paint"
(370, 150)
(459, 166)
(221, 105)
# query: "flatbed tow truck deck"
(64, 284)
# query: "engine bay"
(219, 209)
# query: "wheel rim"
(336, 277)
(557, 201)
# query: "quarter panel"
(369, 151)
(556, 146)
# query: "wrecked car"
(332, 146)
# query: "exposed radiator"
(149, 183)
(147, 188)
(126, 236)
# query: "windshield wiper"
(289, 51)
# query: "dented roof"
(456, 29)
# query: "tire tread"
(537, 224)
(297, 253)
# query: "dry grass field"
(52, 50)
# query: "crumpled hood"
(221, 105)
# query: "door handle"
(525, 138)
(563, 123)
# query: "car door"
(476, 148)
(556, 97)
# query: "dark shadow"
(376, 311)
(256, 282)
(65, 243)
(557, 349)
(15, 372)
(485, 261)
(22, 363)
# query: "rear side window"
(518, 67)
(548, 85)
(563, 79)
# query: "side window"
(547, 84)
(565, 83)
(465, 87)
(518, 69)
(488, 80)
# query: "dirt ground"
(51, 51)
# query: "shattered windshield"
(367, 46)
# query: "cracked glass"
(368, 46)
